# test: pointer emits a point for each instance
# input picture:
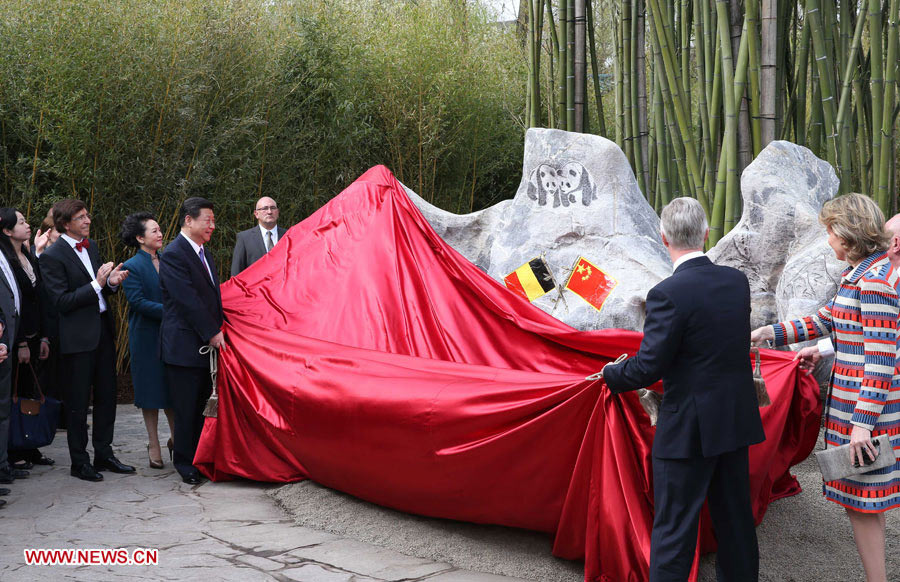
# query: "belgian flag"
(531, 280)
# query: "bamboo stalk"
(886, 169)
(570, 66)
(876, 87)
(561, 62)
(681, 116)
(843, 113)
(722, 207)
(823, 65)
(594, 70)
(768, 71)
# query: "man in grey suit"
(254, 242)
(9, 315)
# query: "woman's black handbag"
(32, 422)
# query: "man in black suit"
(696, 339)
(78, 284)
(253, 243)
(9, 314)
(192, 318)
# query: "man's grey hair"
(683, 223)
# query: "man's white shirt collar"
(273, 230)
(194, 245)
(72, 242)
(685, 258)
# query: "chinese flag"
(590, 283)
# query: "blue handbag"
(32, 422)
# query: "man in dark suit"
(192, 318)
(253, 243)
(9, 315)
(79, 284)
(696, 339)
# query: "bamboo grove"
(702, 86)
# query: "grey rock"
(778, 243)
(578, 197)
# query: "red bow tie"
(82, 245)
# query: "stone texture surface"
(779, 243)
(577, 197)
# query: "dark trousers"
(679, 488)
(97, 369)
(189, 389)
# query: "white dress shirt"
(86, 261)
(274, 232)
(686, 258)
(203, 260)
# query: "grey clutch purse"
(834, 463)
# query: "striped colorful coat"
(866, 381)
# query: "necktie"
(81, 245)
(269, 244)
(205, 265)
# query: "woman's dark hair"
(8, 221)
(134, 226)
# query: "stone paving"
(212, 531)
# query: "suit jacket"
(250, 247)
(697, 339)
(34, 318)
(8, 317)
(68, 286)
(192, 305)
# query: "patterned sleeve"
(800, 330)
(879, 308)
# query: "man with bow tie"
(79, 285)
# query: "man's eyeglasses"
(81, 218)
(267, 208)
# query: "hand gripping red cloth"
(368, 355)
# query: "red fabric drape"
(367, 354)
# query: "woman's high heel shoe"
(154, 464)
(171, 446)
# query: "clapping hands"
(112, 275)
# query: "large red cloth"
(364, 353)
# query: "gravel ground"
(801, 539)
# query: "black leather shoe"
(192, 479)
(113, 464)
(4, 491)
(86, 473)
(10, 475)
(44, 461)
(2, 502)
(24, 465)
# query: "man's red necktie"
(81, 245)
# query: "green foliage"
(132, 105)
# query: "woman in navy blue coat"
(151, 393)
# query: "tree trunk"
(767, 70)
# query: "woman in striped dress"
(865, 392)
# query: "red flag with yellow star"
(590, 283)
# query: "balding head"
(893, 251)
(266, 213)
